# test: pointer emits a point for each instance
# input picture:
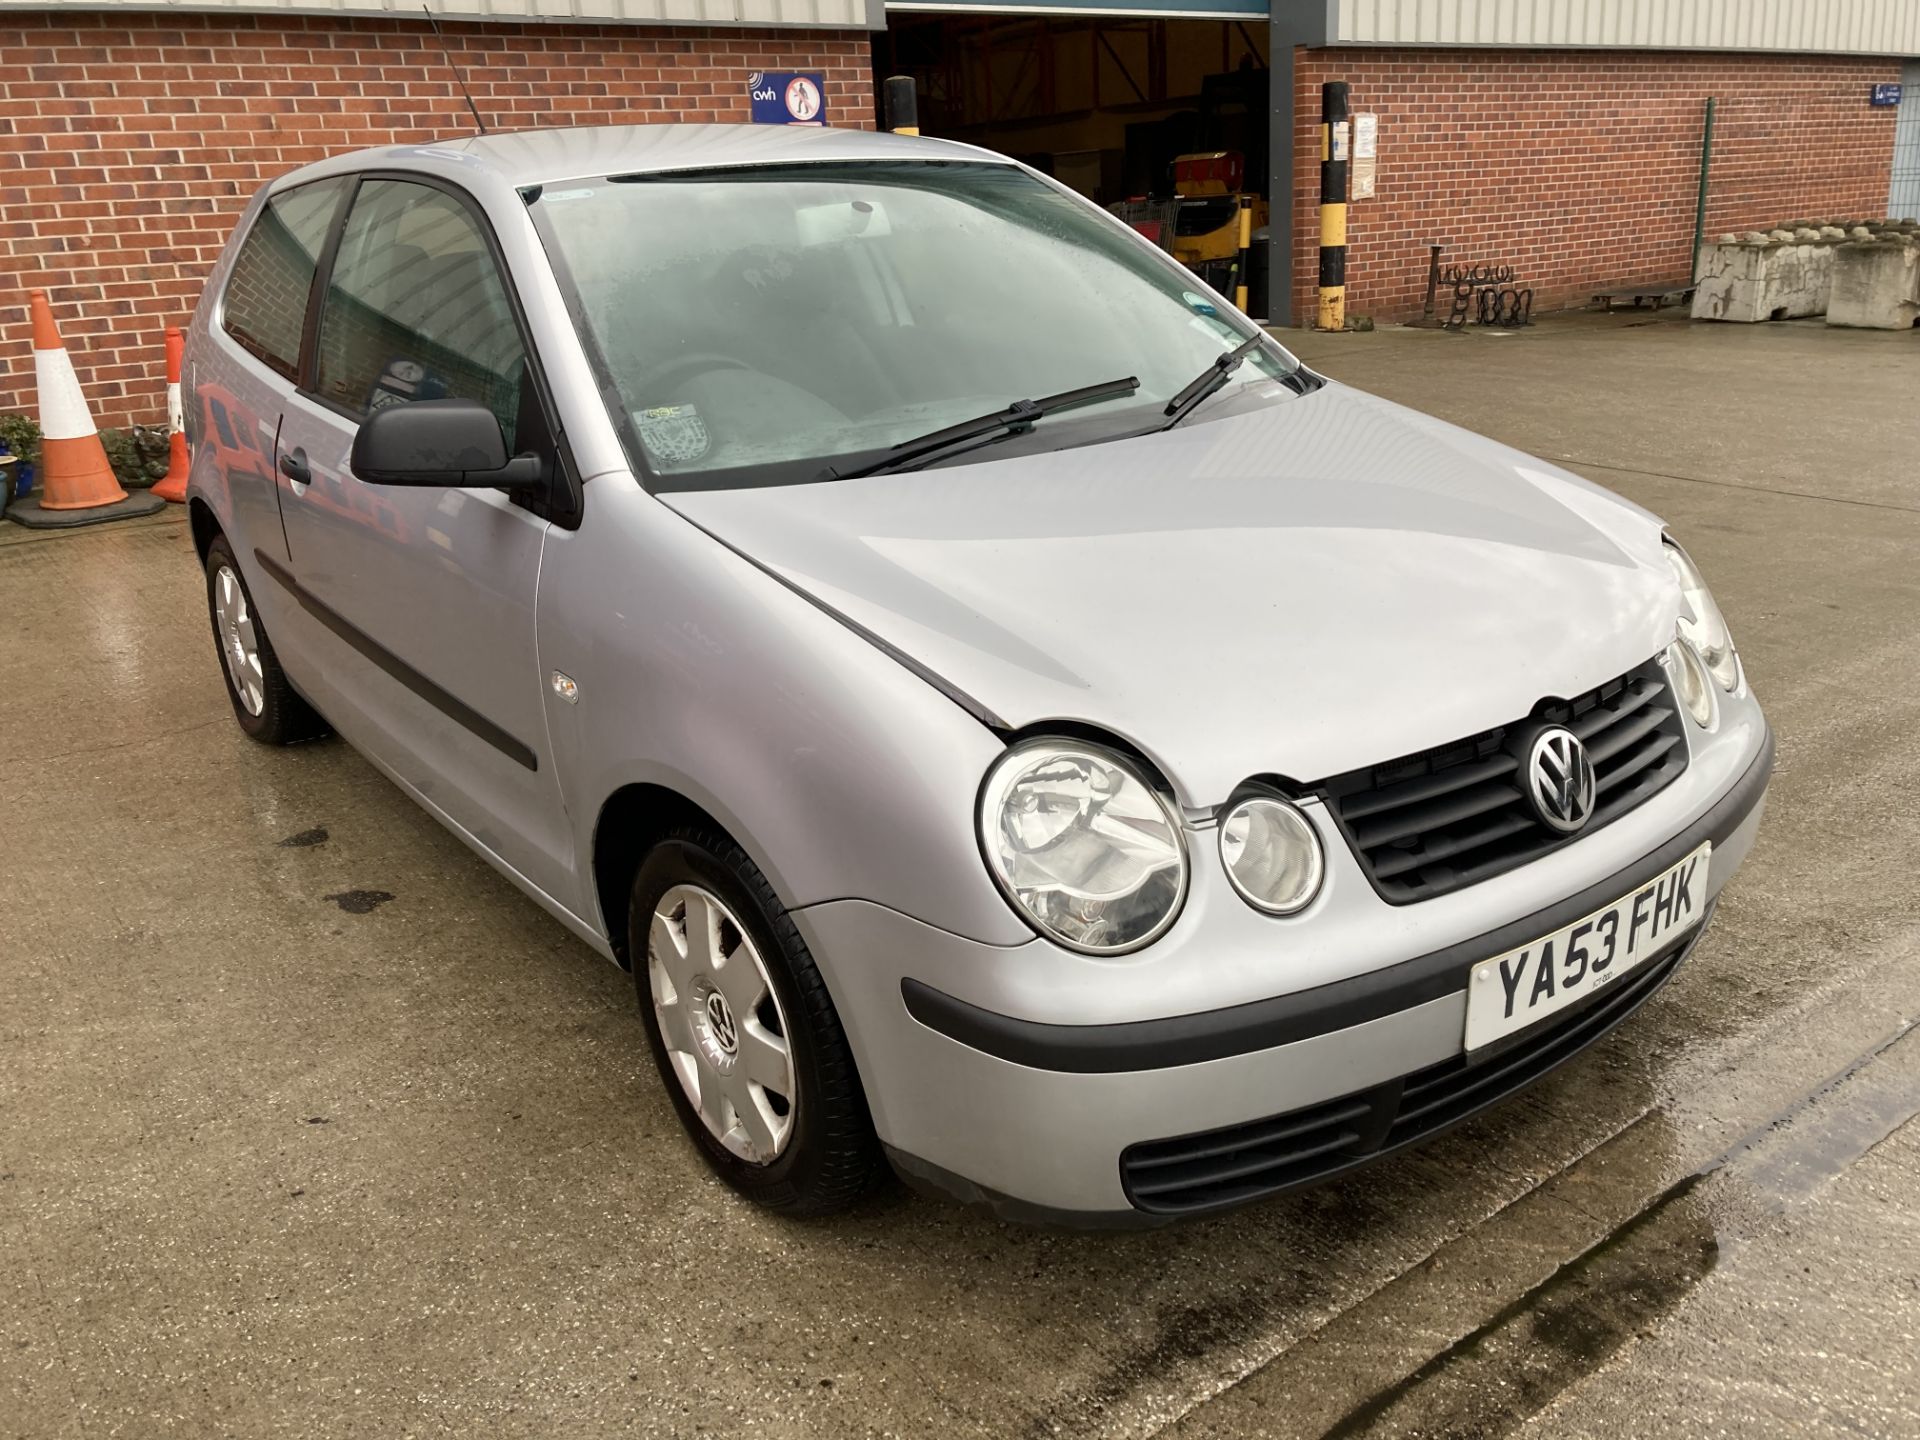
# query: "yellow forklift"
(1208, 225)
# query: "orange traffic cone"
(76, 482)
(174, 487)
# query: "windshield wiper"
(1016, 419)
(1208, 380)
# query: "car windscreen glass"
(767, 325)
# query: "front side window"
(416, 309)
(761, 324)
(265, 306)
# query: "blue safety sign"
(788, 97)
(1884, 95)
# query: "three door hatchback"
(1017, 724)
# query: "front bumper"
(1032, 1114)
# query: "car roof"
(517, 158)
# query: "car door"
(422, 599)
(243, 376)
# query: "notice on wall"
(1366, 142)
(788, 97)
(1366, 135)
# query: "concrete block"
(1770, 281)
(1875, 285)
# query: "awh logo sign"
(788, 97)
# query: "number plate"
(1524, 986)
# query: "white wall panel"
(838, 13)
(1871, 27)
(1874, 27)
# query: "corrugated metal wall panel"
(838, 13)
(1869, 27)
(1873, 27)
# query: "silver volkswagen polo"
(1013, 719)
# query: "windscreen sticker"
(674, 434)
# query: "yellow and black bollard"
(903, 105)
(1241, 260)
(1333, 206)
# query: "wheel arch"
(204, 525)
(632, 820)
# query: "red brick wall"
(1580, 167)
(128, 143)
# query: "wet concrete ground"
(310, 1125)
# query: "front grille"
(1222, 1168)
(1455, 815)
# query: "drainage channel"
(1579, 1312)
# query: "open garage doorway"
(1163, 121)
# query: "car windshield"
(777, 324)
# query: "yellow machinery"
(1208, 225)
(1214, 218)
(1206, 220)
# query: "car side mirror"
(451, 443)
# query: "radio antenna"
(458, 78)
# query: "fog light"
(1690, 680)
(1272, 854)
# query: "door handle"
(294, 466)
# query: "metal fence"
(1904, 200)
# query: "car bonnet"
(1326, 582)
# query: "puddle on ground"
(360, 902)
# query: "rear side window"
(416, 309)
(266, 300)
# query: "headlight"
(1701, 623)
(1690, 680)
(1272, 854)
(1085, 849)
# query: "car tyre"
(264, 701)
(809, 1152)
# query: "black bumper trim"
(938, 1183)
(1285, 1019)
(1417, 1108)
